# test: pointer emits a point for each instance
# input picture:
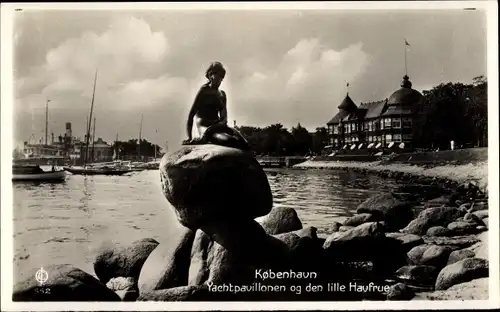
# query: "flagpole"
(406, 69)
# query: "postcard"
(282, 155)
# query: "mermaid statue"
(209, 112)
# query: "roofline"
(371, 118)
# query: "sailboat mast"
(90, 119)
(140, 138)
(46, 121)
(93, 141)
(116, 157)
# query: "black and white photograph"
(267, 153)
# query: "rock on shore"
(125, 261)
(204, 182)
(386, 207)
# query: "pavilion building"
(387, 121)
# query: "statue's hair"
(215, 67)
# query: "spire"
(347, 104)
(406, 83)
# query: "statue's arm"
(192, 113)
(223, 112)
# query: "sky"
(285, 67)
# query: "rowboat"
(96, 171)
(35, 173)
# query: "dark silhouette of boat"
(97, 171)
(35, 173)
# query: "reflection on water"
(65, 222)
(321, 197)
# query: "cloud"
(304, 87)
(123, 54)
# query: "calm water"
(66, 222)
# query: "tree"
(452, 111)
(319, 140)
(131, 149)
(477, 101)
(302, 140)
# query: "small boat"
(35, 173)
(96, 171)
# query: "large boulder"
(462, 227)
(212, 262)
(246, 239)
(415, 254)
(439, 231)
(460, 254)
(281, 220)
(64, 283)
(207, 182)
(168, 265)
(406, 241)
(462, 271)
(436, 256)
(386, 207)
(123, 261)
(360, 243)
(432, 217)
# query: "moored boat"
(35, 173)
(96, 171)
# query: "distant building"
(67, 147)
(41, 150)
(98, 151)
(385, 121)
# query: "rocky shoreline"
(411, 244)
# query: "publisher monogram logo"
(41, 276)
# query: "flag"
(407, 44)
(347, 84)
